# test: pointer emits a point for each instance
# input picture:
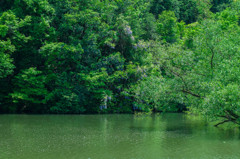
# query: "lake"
(173, 136)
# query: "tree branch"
(193, 94)
(213, 53)
(222, 122)
(229, 118)
(230, 112)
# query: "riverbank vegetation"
(120, 56)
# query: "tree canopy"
(120, 56)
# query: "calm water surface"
(173, 136)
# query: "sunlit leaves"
(29, 89)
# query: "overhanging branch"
(191, 93)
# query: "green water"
(114, 137)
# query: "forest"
(121, 56)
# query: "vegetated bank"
(115, 56)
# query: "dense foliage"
(120, 56)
